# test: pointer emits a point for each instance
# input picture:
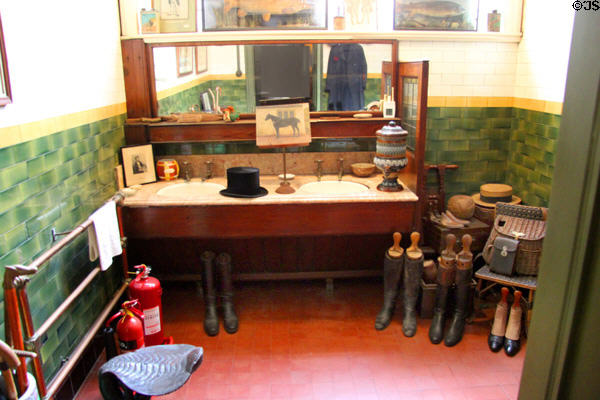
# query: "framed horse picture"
(283, 125)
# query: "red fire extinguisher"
(130, 328)
(148, 292)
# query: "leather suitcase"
(435, 235)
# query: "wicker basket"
(528, 225)
(485, 214)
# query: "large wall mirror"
(330, 76)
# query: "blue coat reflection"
(346, 77)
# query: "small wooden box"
(435, 235)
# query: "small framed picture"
(201, 59)
(176, 15)
(138, 164)
(149, 21)
(457, 15)
(220, 15)
(185, 60)
(283, 125)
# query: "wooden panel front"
(266, 258)
(251, 221)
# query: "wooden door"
(411, 107)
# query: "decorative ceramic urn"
(167, 169)
(390, 155)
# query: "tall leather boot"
(512, 340)
(496, 336)
(230, 319)
(211, 321)
(445, 277)
(413, 270)
(392, 271)
(464, 273)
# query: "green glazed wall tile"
(479, 144)
(448, 112)
(14, 174)
(13, 238)
(10, 198)
(42, 184)
(472, 112)
(458, 145)
(6, 157)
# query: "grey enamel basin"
(333, 187)
(190, 189)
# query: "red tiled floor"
(296, 341)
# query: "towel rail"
(17, 305)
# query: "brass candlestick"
(284, 187)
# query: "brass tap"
(319, 169)
(187, 171)
(340, 168)
(209, 165)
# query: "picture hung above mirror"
(336, 76)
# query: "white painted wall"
(543, 54)
(465, 68)
(63, 57)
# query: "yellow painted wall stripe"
(552, 107)
(13, 135)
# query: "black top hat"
(243, 182)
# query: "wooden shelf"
(167, 132)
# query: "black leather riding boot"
(461, 307)
(413, 270)
(230, 319)
(444, 280)
(392, 271)
(211, 321)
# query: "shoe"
(413, 271)
(464, 273)
(449, 223)
(436, 330)
(211, 320)
(496, 337)
(230, 318)
(456, 219)
(512, 338)
(392, 271)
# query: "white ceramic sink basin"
(333, 187)
(190, 189)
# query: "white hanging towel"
(103, 235)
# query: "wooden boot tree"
(414, 252)
(396, 251)
(465, 257)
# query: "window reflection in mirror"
(330, 76)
